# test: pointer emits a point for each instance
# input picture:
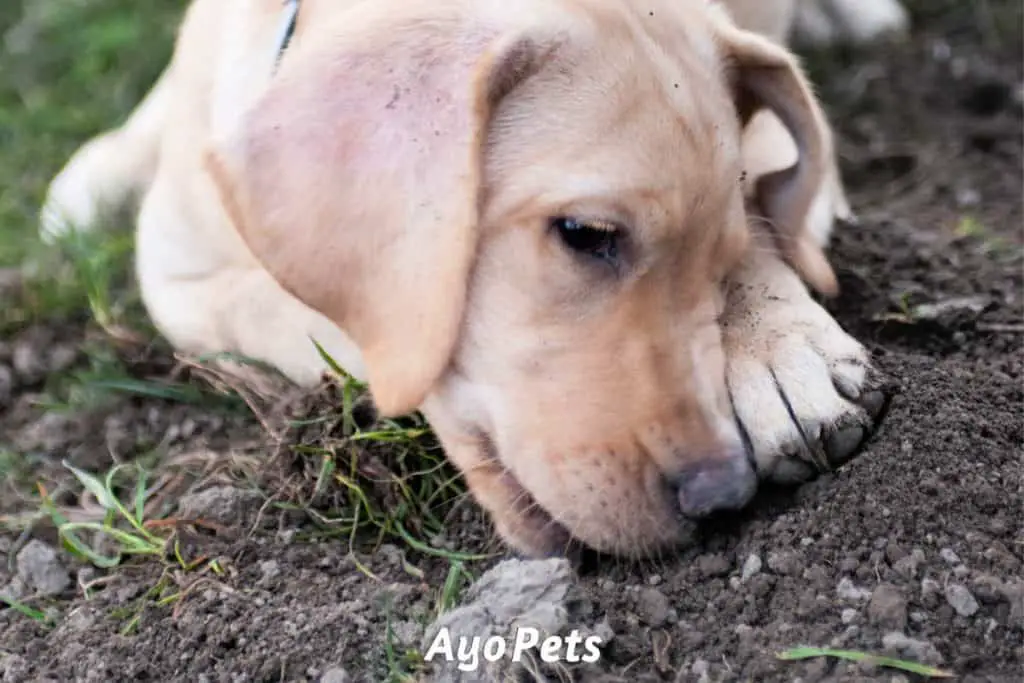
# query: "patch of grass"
(126, 532)
(378, 477)
(107, 377)
(799, 653)
(122, 524)
(970, 228)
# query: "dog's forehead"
(626, 115)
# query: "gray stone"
(511, 595)
(784, 562)
(714, 565)
(40, 568)
(222, 504)
(888, 607)
(336, 675)
(270, 569)
(1013, 591)
(61, 357)
(848, 590)
(930, 587)
(949, 557)
(908, 566)
(28, 362)
(13, 668)
(961, 600)
(751, 566)
(604, 631)
(701, 668)
(653, 607)
(922, 651)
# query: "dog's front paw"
(73, 199)
(805, 393)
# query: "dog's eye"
(593, 238)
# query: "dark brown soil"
(923, 534)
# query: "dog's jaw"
(522, 523)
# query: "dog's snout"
(716, 484)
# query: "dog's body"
(255, 234)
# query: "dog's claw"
(843, 444)
(873, 402)
(826, 450)
(792, 470)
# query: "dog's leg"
(821, 23)
(805, 392)
(205, 298)
(108, 170)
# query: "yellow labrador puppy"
(528, 219)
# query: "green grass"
(799, 653)
(29, 612)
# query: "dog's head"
(522, 213)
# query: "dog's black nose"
(716, 484)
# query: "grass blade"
(140, 495)
(81, 549)
(26, 611)
(331, 363)
(799, 653)
(103, 495)
(451, 556)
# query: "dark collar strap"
(287, 29)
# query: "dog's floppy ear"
(765, 75)
(355, 180)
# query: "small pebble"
(700, 669)
(751, 566)
(961, 600)
(711, 566)
(653, 607)
(920, 650)
(967, 197)
(28, 363)
(336, 675)
(604, 631)
(848, 590)
(930, 587)
(949, 557)
(888, 607)
(40, 567)
(908, 565)
(784, 562)
(848, 615)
